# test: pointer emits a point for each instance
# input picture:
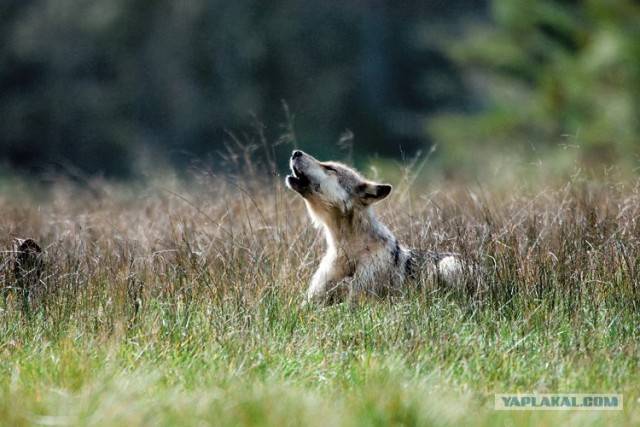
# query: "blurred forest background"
(119, 86)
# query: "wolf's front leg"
(324, 289)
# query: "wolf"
(362, 256)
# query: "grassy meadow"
(179, 302)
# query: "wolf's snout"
(298, 180)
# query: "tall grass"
(180, 302)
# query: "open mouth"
(297, 181)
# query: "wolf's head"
(332, 187)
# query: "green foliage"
(556, 75)
(102, 84)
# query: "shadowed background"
(120, 87)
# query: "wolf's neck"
(360, 228)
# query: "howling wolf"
(363, 256)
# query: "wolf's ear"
(371, 193)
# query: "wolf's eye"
(329, 168)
